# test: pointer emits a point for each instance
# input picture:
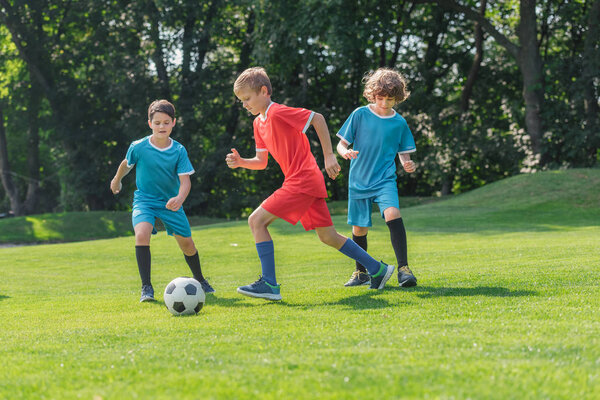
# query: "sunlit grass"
(500, 312)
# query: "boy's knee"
(360, 230)
(254, 221)
(391, 213)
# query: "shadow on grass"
(490, 291)
(2, 297)
(234, 302)
(364, 301)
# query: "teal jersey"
(377, 140)
(157, 170)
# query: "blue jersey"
(157, 170)
(377, 140)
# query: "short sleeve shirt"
(377, 140)
(158, 170)
(283, 134)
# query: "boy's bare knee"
(360, 230)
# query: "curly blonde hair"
(253, 78)
(385, 82)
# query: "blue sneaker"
(380, 278)
(147, 293)
(206, 286)
(261, 289)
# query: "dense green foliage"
(506, 308)
(76, 79)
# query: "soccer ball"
(184, 296)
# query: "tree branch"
(512, 48)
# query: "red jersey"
(282, 133)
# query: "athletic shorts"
(359, 210)
(175, 222)
(292, 207)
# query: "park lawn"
(506, 307)
(74, 226)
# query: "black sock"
(361, 241)
(142, 254)
(398, 236)
(194, 263)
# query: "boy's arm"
(344, 151)
(115, 184)
(408, 165)
(331, 165)
(260, 161)
(185, 184)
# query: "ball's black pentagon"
(170, 288)
(190, 289)
(179, 306)
(198, 307)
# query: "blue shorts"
(359, 210)
(175, 222)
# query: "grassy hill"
(506, 308)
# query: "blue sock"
(266, 253)
(352, 250)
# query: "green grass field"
(506, 308)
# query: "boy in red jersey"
(280, 130)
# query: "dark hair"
(162, 106)
(253, 78)
(385, 82)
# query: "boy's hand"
(233, 159)
(409, 166)
(116, 186)
(349, 154)
(331, 166)
(174, 203)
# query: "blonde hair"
(385, 82)
(253, 78)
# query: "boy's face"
(385, 102)
(162, 125)
(253, 101)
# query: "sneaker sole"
(388, 274)
(408, 283)
(147, 299)
(359, 284)
(267, 296)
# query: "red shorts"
(292, 207)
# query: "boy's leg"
(265, 287)
(143, 231)
(395, 224)
(359, 235)
(359, 277)
(379, 271)
(186, 244)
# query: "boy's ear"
(264, 91)
(150, 124)
(174, 121)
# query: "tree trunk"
(33, 152)
(5, 173)
(468, 89)
(157, 54)
(528, 58)
(530, 62)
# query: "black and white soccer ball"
(184, 296)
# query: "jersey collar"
(159, 148)
(377, 115)
(266, 111)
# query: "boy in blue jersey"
(377, 133)
(163, 183)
